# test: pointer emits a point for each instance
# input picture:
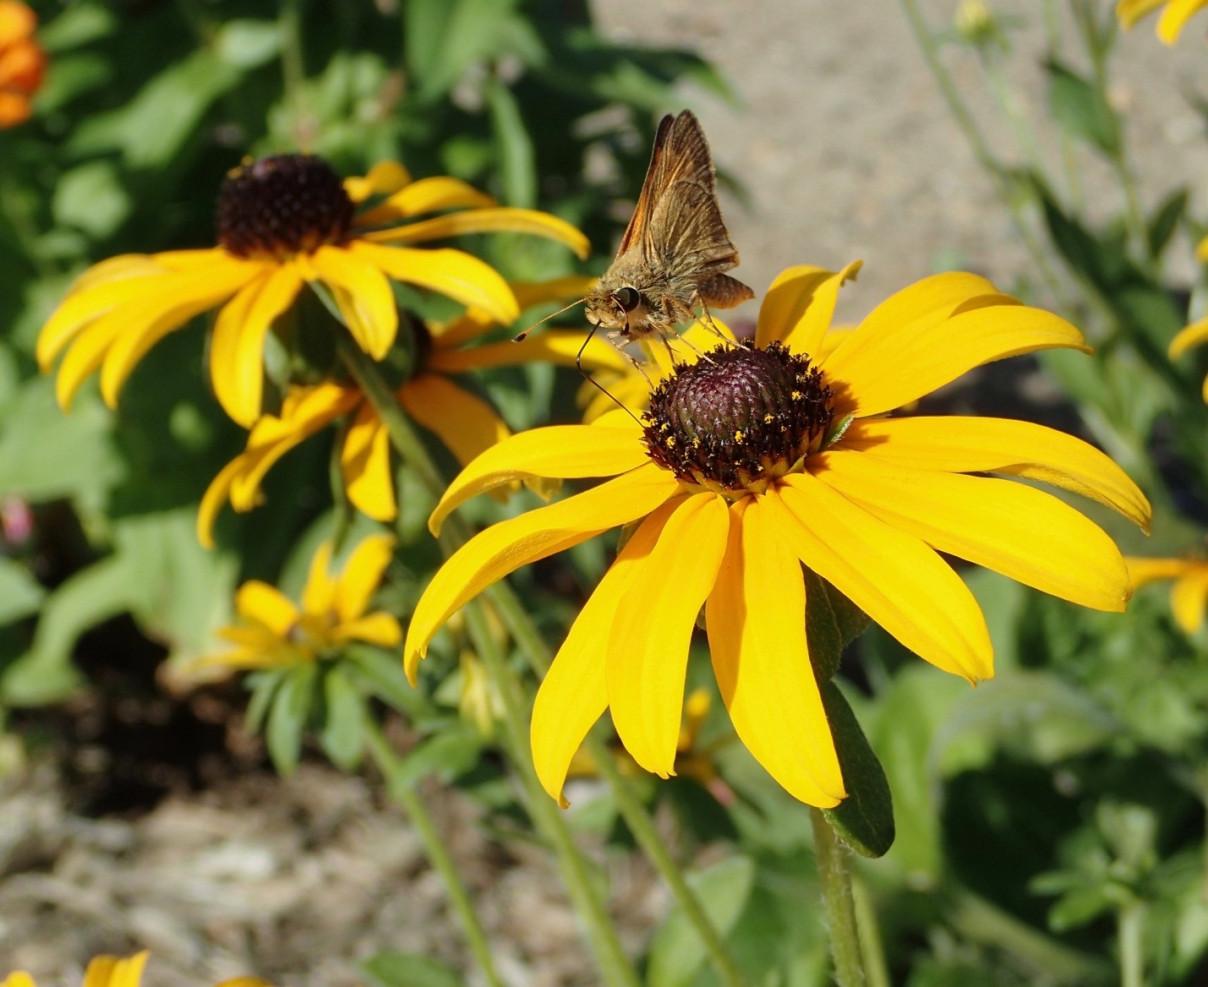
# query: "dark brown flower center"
(282, 205)
(738, 417)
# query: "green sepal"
(832, 622)
(838, 430)
(864, 820)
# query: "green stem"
(1131, 932)
(837, 898)
(981, 150)
(389, 763)
(614, 964)
(528, 638)
(293, 64)
(871, 946)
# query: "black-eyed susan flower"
(1189, 592)
(1174, 17)
(284, 222)
(762, 458)
(464, 422)
(22, 62)
(118, 971)
(274, 632)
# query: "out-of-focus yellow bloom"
(974, 21)
(22, 62)
(1188, 595)
(1175, 15)
(1195, 334)
(117, 971)
(285, 222)
(759, 458)
(464, 422)
(274, 632)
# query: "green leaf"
(677, 952)
(832, 622)
(381, 674)
(91, 198)
(263, 686)
(288, 717)
(343, 733)
(247, 43)
(1080, 108)
(20, 593)
(1165, 221)
(395, 969)
(446, 755)
(517, 165)
(864, 820)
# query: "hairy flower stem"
(835, 878)
(614, 964)
(528, 638)
(389, 763)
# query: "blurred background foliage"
(1050, 824)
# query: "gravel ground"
(846, 151)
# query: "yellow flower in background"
(22, 62)
(1195, 334)
(1188, 595)
(285, 222)
(464, 422)
(117, 971)
(1175, 15)
(757, 460)
(274, 632)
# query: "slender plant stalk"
(840, 907)
(528, 638)
(871, 945)
(981, 150)
(615, 965)
(1130, 931)
(388, 763)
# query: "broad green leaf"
(380, 673)
(1080, 108)
(517, 165)
(263, 687)
(451, 752)
(91, 198)
(863, 820)
(20, 593)
(677, 951)
(343, 733)
(287, 719)
(247, 43)
(395, 969)
(832, 623)
(1165, 221)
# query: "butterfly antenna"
(523, 334)
(600, 387)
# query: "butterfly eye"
(627, 298)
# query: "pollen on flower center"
(282, 205)
(738, 417)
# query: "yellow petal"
(1128, 12)
(648, 642)
(366, 467)
(501, 220)
(959, 444)
(574, 693)
(453, 273)
(213, 499)
(244, 982)
(426, 195)
(267, 605)
(756, 621)
(18, 978)
(465, 423)
(504, 547)
(380, 628)
(1017, 530)
(560, 346)
(361, 576)
(319, 593)
(804, 304)
(237, 346)
(1142, 571)
(890, 575)
(887, 366)
(563, 289)
(1175, 17)
(113, 971)
(1188, 597)
(362, 293)
(1193, 335)
(558, 452)
(87, 351)
(1201, 250)
(384, 178)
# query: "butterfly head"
(617, 309)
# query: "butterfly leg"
(708, 321)
(600, 387)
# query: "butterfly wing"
(639, 222)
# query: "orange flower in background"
(118, 971)
(1189, 589)
(22, 62)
